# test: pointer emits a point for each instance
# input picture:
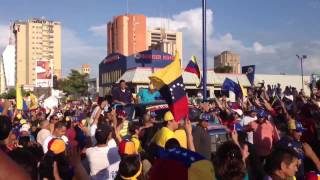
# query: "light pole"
(204, 50)
(301, 58)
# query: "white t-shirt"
(48, 139)
(104, 161)
(244, 122)
(42, 135)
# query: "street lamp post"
(301, 58)
(204, 50)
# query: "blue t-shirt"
(146, 96)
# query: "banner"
(249, 71)
(44, 74)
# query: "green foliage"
(223, 69)
(11, 94)
(75, 84)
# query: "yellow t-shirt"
(137, 143)
(124, 129)
(181, 136)
(162, 136)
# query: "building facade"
(115, 65)
(85, 69)
(127, 34)
(165, 41)
(38, 52)
(227, 58)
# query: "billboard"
(44, 73)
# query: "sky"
(268, 34)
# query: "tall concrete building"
(38, 51)
(227, 58)
(127, 34)
(9, 61)
(165, 41)
(85, 69)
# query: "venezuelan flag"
(180, 163)
(193, 68)
(169, 82)
(19, 98)
(244, 91)
(33, 101)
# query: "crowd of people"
(273, 135)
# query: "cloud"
(4, 36)
(269, 58)
(100, 30)
(76, 52)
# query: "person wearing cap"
(149, 129)
(247, 119)
(166, 132)
(134, 131)
(293, 140)
(148, 95)
(265, 134)
(55, 163)
(201, 138)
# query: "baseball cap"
(126, 147)
(24, 127)
(296, 125)
(238, 127)
(151, 86)
(57, 146)
(262, 113)
(168, 116)
(205, 117)
(238, 111)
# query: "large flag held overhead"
(249, 71)
(243, 91)
(19, 98)
(230, 85)
(180, 163)
(169, 82)
(193, 68)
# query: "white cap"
(24, 127)
(238, 111)
(290, 97)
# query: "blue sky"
(265, 33)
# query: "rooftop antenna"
(127, 7)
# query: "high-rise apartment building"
(85, 69)
(127, 34)
(164, 40)
(227, 58)
(3, 84)
(38, 51)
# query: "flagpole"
(204, 50)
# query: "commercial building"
(115, 65)
(165, 41)
(38, 52)
(127, 34)
(227, 58)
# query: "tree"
(223, 69)
(75, 84)
(11, 94)
(318, 84)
